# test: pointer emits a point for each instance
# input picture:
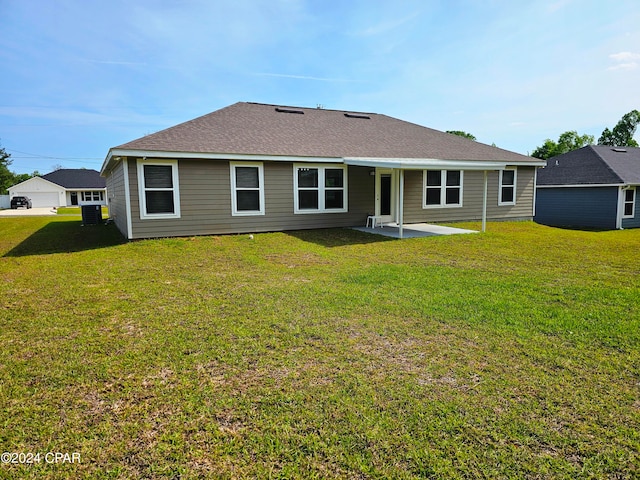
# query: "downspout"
(620, 209)
(535, 190)
(484, 202)
(400, 203)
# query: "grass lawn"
(78, 211)
(320, 354)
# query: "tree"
(6, 176)
(460, 133)
(622, 134)
(567, 142)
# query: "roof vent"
(357, 115)
(289, 110)
(619, 150)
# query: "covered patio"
(399, 165)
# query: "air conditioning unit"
(91, 214)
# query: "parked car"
(20, 201)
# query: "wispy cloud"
(115, 62)
(303, 77)
(625, 61)
(386, 26)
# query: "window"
(629, 203)
(92, 196)
(442, 188)
(319, 188)
(507, 188)
(158, 189)
(247, 188)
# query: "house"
(253, 167)
(64, 187)
(593, 187)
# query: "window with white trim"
(629, 203)
(320, 188)
(93, 196)
(507, 187)
(158, 189)
(442, 188)
(247, 188)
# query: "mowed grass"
(78, 211)
(320, 354)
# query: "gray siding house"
(593, 187)
(254, 168)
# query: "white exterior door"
(385, 194)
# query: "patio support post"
(484, 202)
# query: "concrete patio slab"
(414, 230)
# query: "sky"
(81, 76)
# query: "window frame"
(141, 163)
(321, 188)
(501, 185)
(632, 202)
(234, 189)
(92, 196)
(443, 189)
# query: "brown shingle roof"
(259, 129)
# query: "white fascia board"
(218, 156)
(107, 162)
(403, 163)
(424, 163)
(583, 185)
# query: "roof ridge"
(339, 110)
(606, 163)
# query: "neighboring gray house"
(253, 168)
(592, 187)
(63, 187)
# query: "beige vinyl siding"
(472, 192)
(205, 202)
(116, 197)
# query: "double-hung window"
(629, 203)
(442, 188)
(247, 188)
(319, 188)
(94, 196)
(158, 189)
(507, 187)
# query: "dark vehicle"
(20, 202)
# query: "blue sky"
(81, 76)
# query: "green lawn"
(78, 211)
(320, 354)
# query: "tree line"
(620, 136)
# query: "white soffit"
(425, 163)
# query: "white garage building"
(63, 188)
